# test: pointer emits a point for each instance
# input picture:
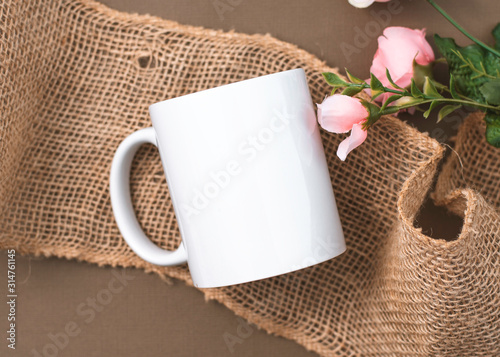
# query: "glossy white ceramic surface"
(248, 179)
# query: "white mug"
(248, 179)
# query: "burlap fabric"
(77, 77)
(474, 164)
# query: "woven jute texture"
(475, 164)
(76, 78)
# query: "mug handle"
(123, 210)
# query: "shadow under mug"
(248, 179)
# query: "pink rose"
(396, 50)
(364, 3)
(340, 114)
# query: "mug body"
(248, 179)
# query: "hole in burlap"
(146, 61)
(438, 222)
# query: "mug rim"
(234, 84)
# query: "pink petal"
(338, 113)
(383, 97)
(399, 46)
(426, 54)
(378, 67)
(357, 137)
(405, 80)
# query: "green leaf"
(389, 100)
(447, 110)
(376, 86)
(420, 72)
(334, 79)
(453, 89)
(390, 110)
(417, 93)
(440, 87)
(496, 36)
(430, 89)
(376, 96)
(350, 91)
(493, 129)
(373, 113)
(431, 107)
(471, 66)
(390, 79)
(407, 100)
(353, 79)
(491, 92)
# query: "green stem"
(461, 29)
(460, 95)
(440, 60)
(390, 110)
(426, 99)
(395, 91)
(386, 90)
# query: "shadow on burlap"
(77, 78)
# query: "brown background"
(152, 318)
